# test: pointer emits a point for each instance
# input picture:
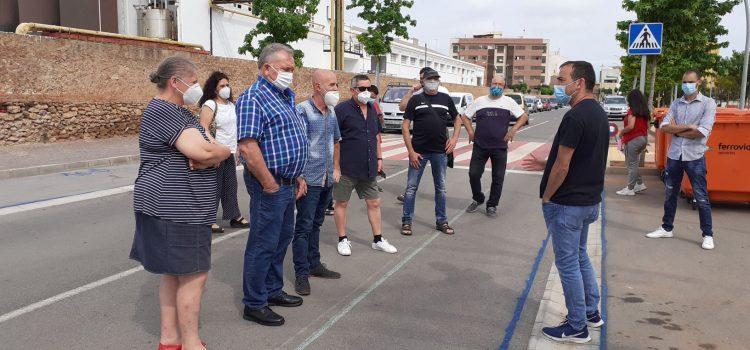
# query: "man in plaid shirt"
(273, 145)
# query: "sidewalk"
(37, 159)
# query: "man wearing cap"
(430, 112)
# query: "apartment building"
(520, 60)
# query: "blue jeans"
(696, 171)
(569, 228)
(311, 211)
(439, 162)
(271, 230)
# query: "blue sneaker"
(594, 320)
(565, 333)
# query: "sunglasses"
(365, 88)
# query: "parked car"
(389, 101)
(519, 98)
(531, 103)
(461, 100)
(547, 104)
(539, 104)
(615, 106)
(553, 104)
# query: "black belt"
(285, 181)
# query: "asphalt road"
(66, 281)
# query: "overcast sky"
(580, 29)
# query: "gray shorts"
(366, 189)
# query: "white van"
(393, 118)
(461, 100)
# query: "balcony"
(351, 47)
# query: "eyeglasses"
(365, 88)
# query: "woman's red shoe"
(170, 347)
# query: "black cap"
(430, 73)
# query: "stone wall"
(62, 89)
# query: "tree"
(384, 20)
(691, 32)
(521, 87)
(546, 90)
(282, 21)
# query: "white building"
(221, 30)
(609, 79)
(554, 60)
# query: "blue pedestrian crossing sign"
(645, 39)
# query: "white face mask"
(192, 95)
(364, 97)
(431, 85)
(283, 79)
(331, 98)
(225, 92)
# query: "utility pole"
(337, 34)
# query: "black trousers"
(226, 176)
(479, 157)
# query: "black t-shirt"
(430, 128)
(584, 128)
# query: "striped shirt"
(165, 187)
(268, 115)
(322, 133)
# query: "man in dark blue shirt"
(358, 163)
(273, 143)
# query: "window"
(519, 58)
(500, 59)
(455, 48)
(421, 63)
(403, 59)
(541, 48)
(536, 58)
(413, 61)
(499, 48)
(394, 57)
(442, 66)
(519, 68)
(499, 70)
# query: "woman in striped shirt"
(175, 201)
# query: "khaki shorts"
(366, 189)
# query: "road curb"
(55, 168)
(617, 170)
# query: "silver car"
(615, 106)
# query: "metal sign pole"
(747, 53)
(643, 74)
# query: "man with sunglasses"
(689, 121)
(357, 164)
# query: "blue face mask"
(560, 94)
(496, 91)
(689, 88)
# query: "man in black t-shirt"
(430, 112)
(571, 190)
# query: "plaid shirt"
(322, 133)
(267, 114)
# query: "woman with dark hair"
(218, 108)
(634, 136)
(173, 201)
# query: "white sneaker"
(660, 233)
(345, 247)
(626, 192)
(708, 243)
(384, 246)
(640, 188)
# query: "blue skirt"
(171, 248)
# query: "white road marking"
(533, 126)
(73, 292)
(522, 151)
(331, 321)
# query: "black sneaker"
(322, 271)
(594, 320)
(473, 207)
(302, 285)
(492, 212)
